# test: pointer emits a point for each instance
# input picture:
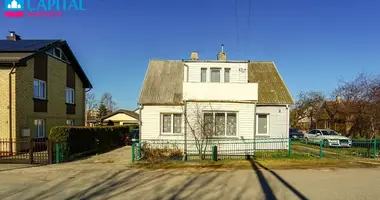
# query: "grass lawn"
(289, 163)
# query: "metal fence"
(26, 151)
(254, 148)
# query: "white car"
(329, 138)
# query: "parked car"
(133, 134)
(330, 138)
(295, 134)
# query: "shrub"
(82, 139)
(156, 155)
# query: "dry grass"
(269, 163)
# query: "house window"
(227, 75)
(220, 124)
(171, 123)
(203, 75)
(262, 124)
(40, 128)
(70, 122)
(39, 89)
(215, 75)
(58, 53)
(70, 95)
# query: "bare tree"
(91, 105)
(108, 102)
(201, 126)
(362, 99)
(308, 105)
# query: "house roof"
(20, 50)
(272, 89)
(163, 83)
(127, 112)
(24, 45)
(344, 107)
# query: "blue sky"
(313, 43)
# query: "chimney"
(338, 99)
(13, 36)
(194, 55)
(222, 55)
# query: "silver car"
(329, 138)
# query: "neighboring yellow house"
(121, 117)
(42, 85)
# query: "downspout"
(10, 107)
(287, 124)
(140, 123)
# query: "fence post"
(321, 149)
(30, 151)
(133, 153)
(214, 154)
(57, 153)
(50, 151)
(374, 148)
(290, 148)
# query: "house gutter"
(10, 107)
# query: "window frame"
(225, 123)
(229, 75)
(204, 70)
(70, 124)
(172, 123)
(39, 83)
(257, 124)
(215, 68)
(37, 128)
(71, 92)
(61, 56)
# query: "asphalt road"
(109, 177)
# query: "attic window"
(58, 53)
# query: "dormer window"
(58, 53)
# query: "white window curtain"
(40, 128)
(203, 74)
(219, 124)
(226, 75)
(177, 122)
(231, 124)
(167, 123)
(262, 124)
(215, 75)
(39, 89)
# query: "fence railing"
(25, 151)
(260, 148)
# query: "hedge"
(77, 140)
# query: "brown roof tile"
(272, 89)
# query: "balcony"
(220, 91)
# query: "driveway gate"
(26, 151)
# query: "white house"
(246, 100)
